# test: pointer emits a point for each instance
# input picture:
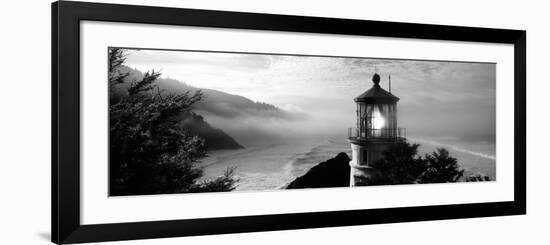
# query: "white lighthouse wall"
(363, 155)
(356, 154)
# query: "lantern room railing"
(384, 133)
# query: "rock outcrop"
(334, 172)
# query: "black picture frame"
(65, 140)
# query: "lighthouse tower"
(375, 132)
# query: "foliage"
(116, 59)
(221, 183)
(477, 178)
(440, 168)
(400, 164)
(149, 151)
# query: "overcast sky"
(448, 99)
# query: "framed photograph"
(174, 122)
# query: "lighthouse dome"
(376, 94)
(376, 79)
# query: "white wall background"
(25, 121)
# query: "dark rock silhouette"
(334, 172)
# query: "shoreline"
(274, 166)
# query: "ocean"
(271, 166)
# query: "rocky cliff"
(334, 172)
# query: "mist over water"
(311, 123)
(442, 104)
(277, 151)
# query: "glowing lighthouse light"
(377, 119)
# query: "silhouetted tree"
(149, 151)
(440, 168)
(401, 165)
(116, 59)
(477, 178)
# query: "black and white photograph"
(195, 121)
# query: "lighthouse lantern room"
(376, 131)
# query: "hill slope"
(214, 102)
(215, 139)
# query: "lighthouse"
(376, 131)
